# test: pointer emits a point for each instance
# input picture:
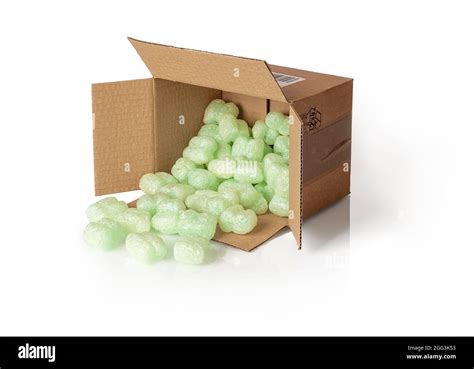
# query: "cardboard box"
(142, 126)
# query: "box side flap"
(123, 134)
(295, 167)
(223, 72)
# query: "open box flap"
(223, 72)
(267, 226)
(123, 134)
(296, 171)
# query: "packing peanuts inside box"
(142, 126)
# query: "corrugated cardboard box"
(142, 126)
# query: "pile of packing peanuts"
(228, 174)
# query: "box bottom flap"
(267, 226)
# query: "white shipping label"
(285, 79)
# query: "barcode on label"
(285, 79)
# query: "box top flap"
(224, 72)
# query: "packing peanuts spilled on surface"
(227, 175)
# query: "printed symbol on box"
(236, 72)
(313, 120)
(126, 167)
(181, 119)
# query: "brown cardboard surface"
(333, 104)
(123, 141)
(268, 224)
(179, 109)
(326, 190)
(223, 72)
(132, 204)
(326, 149)
(314, 83)
(279, 106)
(251, 108)
(296, 182)
(327, 142)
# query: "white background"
(393, 259)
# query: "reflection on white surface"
(326, 240)
(326, 248)
(328, 227)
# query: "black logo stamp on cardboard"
(313, 120)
